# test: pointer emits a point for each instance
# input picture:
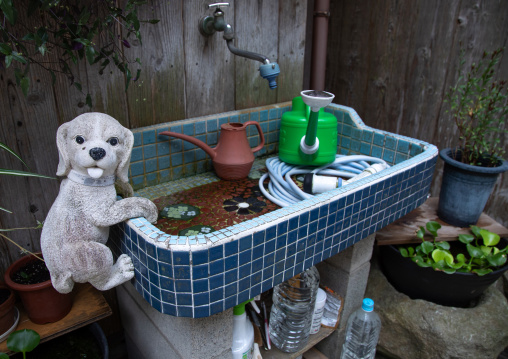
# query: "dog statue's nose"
(97, 153)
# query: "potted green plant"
(448, 273)
(30, 278)
(41, 301)
(478, 106)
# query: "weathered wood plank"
(159, 95)
(256, 30)
(393, 62)
(209, 70)
(292, 31)
(404, 229)
(28, 127)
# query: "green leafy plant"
(479, 107)
(4, 171)
(479, 253)
(22, 341)
(55, 34)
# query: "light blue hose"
(283, 191)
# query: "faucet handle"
(218, 4)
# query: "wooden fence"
(393, 61)
(184, 75)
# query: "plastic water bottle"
(362, 334)
(293, 306)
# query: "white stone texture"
(154, 335)
(93, 149)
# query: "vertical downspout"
(319, 43)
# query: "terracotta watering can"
(233, 157)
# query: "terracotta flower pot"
(7, 310)
(43, 304)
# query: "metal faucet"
(208, 25)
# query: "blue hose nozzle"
(270, 72)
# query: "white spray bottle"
(243, 333)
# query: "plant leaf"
(489, 239)
(441, 265)
(427, 247)
(433, 227)
(461, 258)
(476, 231)
(403, 251)
(466, 238)
(420, 261)
(4, 356)
(440, 255)
(420, 233)
(9, 10)
(482, 272)
(23, 340)
(497, 260)
(22, 173)
(5, 147)
(443, 245)
(473, 251)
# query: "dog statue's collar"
(89, 181)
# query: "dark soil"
(4, 295)
(79, 344)
(33, 272)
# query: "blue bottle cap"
(368, 305)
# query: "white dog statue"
(94, 151)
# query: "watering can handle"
(261, 136)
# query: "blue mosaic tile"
(233, 270)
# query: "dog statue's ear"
(64, 166)
(122, 171)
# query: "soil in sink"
(211, 207)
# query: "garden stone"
(418, 329)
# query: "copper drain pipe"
(319, 43)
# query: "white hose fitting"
(318, 184)
(309, 150)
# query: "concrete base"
(347, 274)
(152, 335)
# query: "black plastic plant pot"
(453, 290)
(465, 190)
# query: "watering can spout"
(316, 100)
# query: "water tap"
(208, 25)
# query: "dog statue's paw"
(125, 267)
(151, 211)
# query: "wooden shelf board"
(88, 306)
(404, 229)
(275, 353)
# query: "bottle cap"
(240, 308)
(368, 305)
(321, 296)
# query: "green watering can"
(308, 134)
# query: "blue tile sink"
(198, 276)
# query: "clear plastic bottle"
(362, 333)
(293, 306)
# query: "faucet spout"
(246, 54)
(208, 25)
